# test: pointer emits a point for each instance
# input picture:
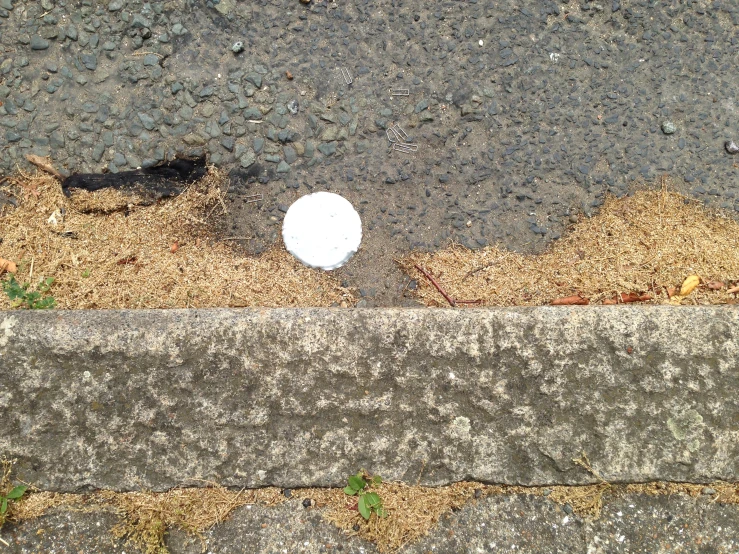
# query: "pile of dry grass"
(725, 493)
(146, 517)
(159, 256)
(646, 244)
(412, 511)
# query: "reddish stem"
(428, 276)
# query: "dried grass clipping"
(146, 516)
(646, 244)
(105, 259)
(413, 511)
(725, 493)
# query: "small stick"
(733, 290)
(41, 163)
(438, 287)
(478, 301)
(573, 300)
(161, 57)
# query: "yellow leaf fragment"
(689, 285)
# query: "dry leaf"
(289, 75)
(689, 285)
(575, 300)
(175, 247)
(633, 297)
(715, 285)
(7, 265)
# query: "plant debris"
(106, 259)
(7, 265)
(412, 511)
(140, 187)
(636, 249)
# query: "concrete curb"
(128, 400)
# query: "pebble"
(290, 154)
(422, 105)
(708, 491)
(327, 148)
(38, 43)
(668, 127)
(255, 79)
(237, 47)
(293, 107)
(731, 147)
(306, 503)
(90, 61)
(252, 113)
(248, 159)
(179, 30)
(147, 121)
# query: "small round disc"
(322, 230)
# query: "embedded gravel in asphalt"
(525, 113)
(634, 524)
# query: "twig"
(250, 198)
(491, 264)
(5, 543)
(161, 57)
(584, 463)
(236, 238)
(438, 287)
(39, 162)
(423, 466)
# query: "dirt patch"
(105, 251)
(639, 246)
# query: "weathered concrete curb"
(291, 397)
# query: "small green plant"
(21, 297)
(367, 502)
(14, 494)
(86, 274)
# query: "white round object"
(322, 230)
